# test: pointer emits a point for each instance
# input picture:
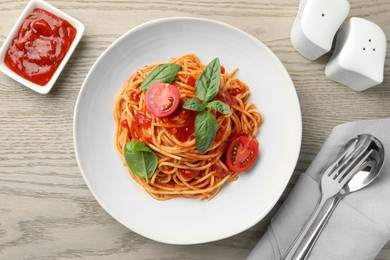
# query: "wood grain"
(46, 209)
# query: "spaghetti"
(182, 171)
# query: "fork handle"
(298, 241)
(305, 251)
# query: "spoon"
(366, 172)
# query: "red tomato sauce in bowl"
(39, 46)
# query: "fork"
(333, 180)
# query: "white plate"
(240, 204)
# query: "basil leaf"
(164, 73)
(206, 126)
(141, 160)
(194, 104)
(207, 86)
(219, 106)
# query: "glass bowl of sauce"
(39, 46)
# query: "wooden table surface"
(46, 209)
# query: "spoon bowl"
(370, 168)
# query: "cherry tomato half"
(162, 99)
(242, 153)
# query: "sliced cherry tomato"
(188, 174)
(162, 99)
(242, 153)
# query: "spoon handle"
(298, 241)
(305, 251)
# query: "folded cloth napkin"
(360, 225)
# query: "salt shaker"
(316, 25)
(359, 55)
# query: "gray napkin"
(359, 226)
